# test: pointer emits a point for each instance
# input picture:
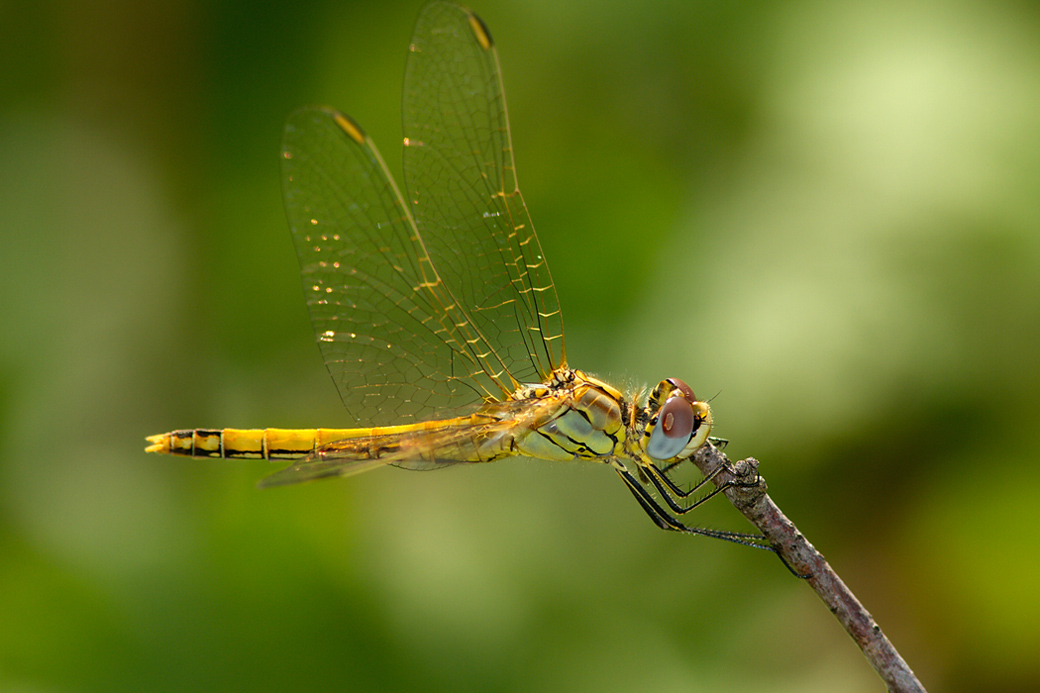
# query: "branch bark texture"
(803, 558)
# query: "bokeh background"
(826, 216)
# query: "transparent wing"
(461, 181)
(392, 336)
(315, 467)
(418, 322)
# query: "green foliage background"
(826, 216)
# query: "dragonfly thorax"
(583, 418)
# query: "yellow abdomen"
(255, 443)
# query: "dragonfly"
(436, 314)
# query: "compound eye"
(684, 388)
(673, 430)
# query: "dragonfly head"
(677, 424)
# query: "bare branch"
(803, 558)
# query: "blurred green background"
(826, 216)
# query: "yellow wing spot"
(480, 31)
(350, 127)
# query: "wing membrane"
(416, 320)
(381, 315)
(434, 445)
(461, 181)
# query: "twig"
(803, 558)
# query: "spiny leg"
(659, 478)
(664, 520)
(719, 443)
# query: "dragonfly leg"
(720, 443)
(670, 491)
(663, 519)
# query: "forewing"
(461, 183)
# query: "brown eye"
(683, 388)
(677, 418)
(673, 430)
